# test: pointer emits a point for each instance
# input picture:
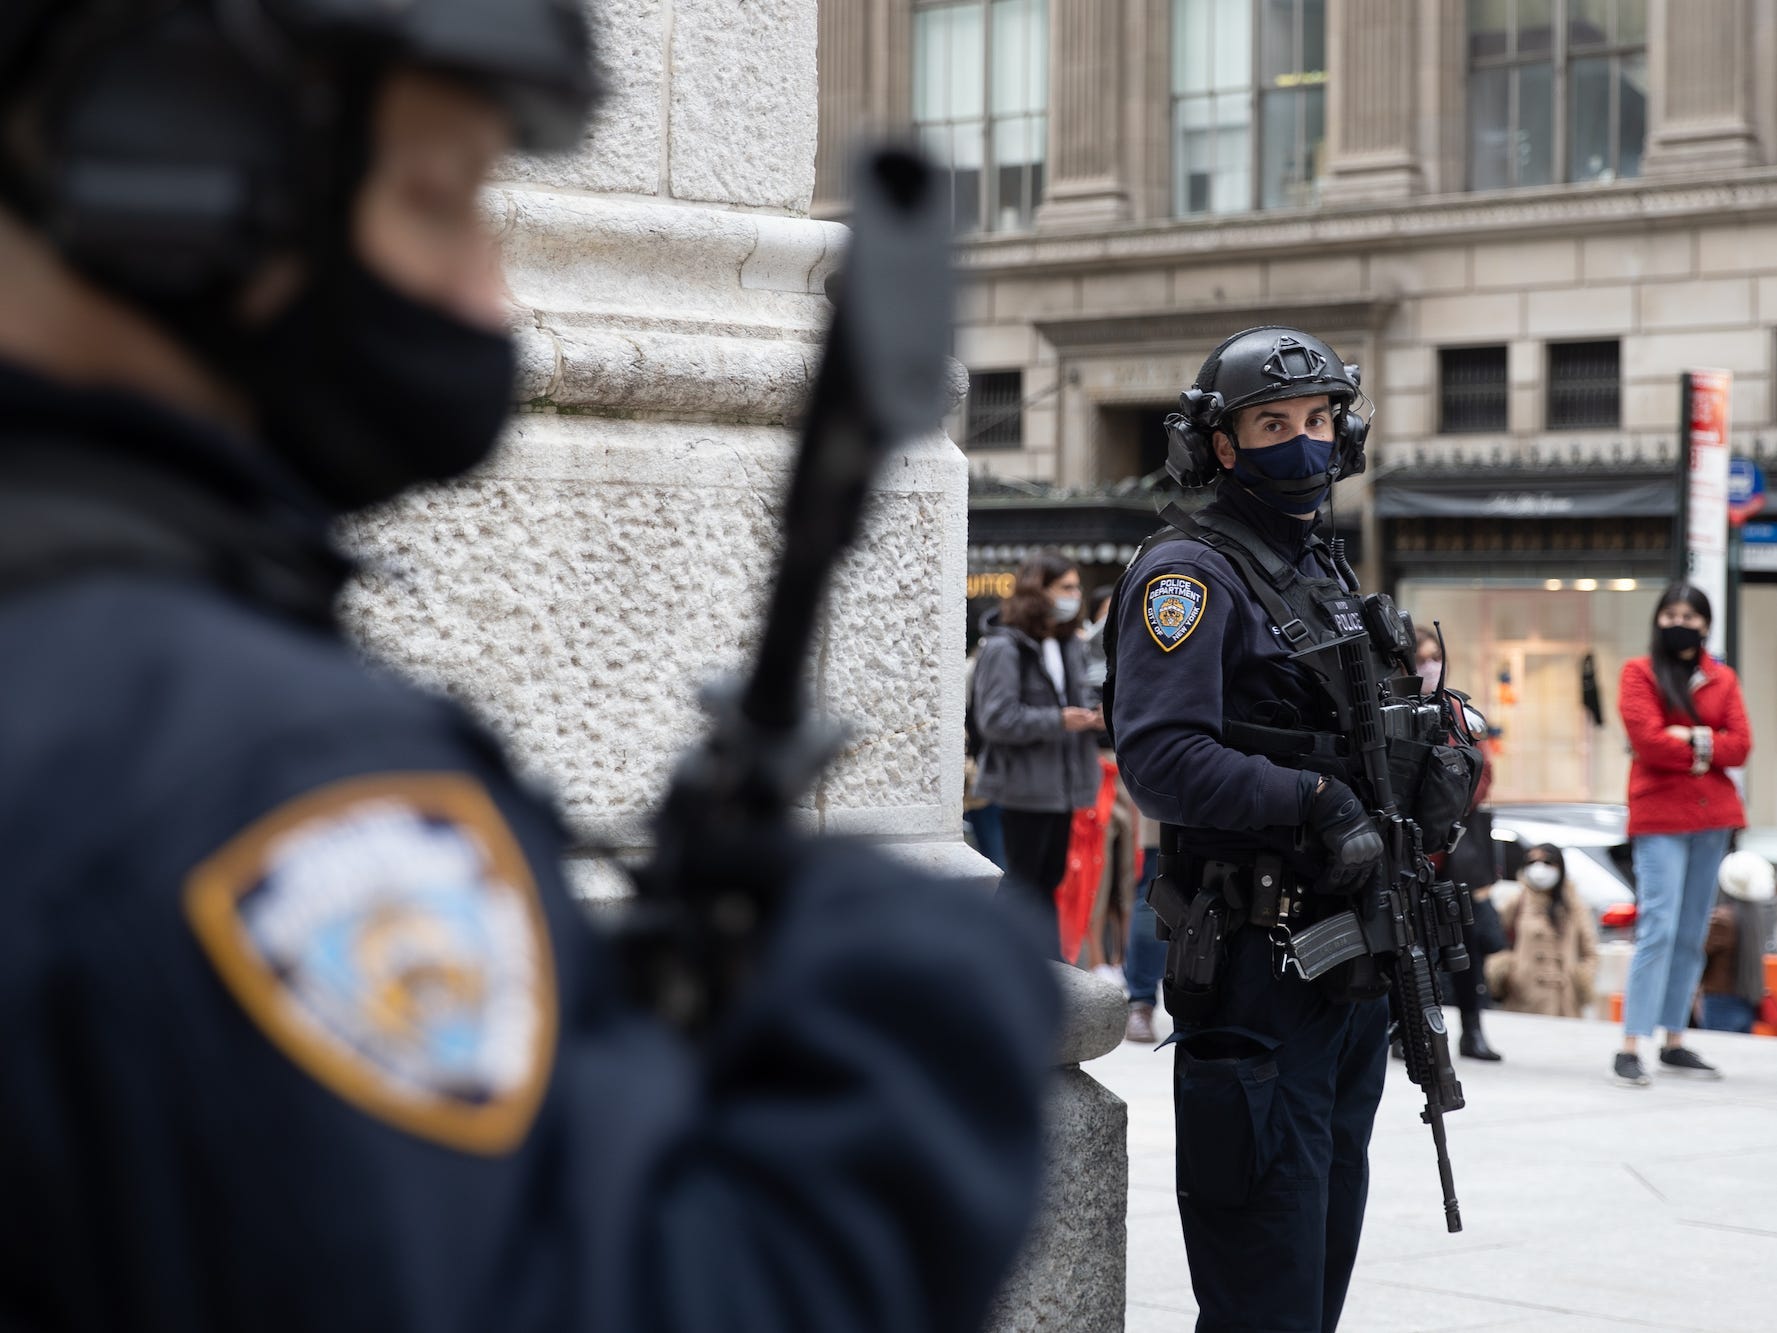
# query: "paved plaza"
(1587, 1207)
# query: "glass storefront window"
(1517, 649)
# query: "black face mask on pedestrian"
(365, 391)
(1678, 640)
(1293, 477)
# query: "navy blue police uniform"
(1276, 1082)
(303, 1028)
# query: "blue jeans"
(1728, 1013)
(990, 838)
(1674, 892)
(1145, 959)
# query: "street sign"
(1746, 490)
(1758, 549)
(1704, 474)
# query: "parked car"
(1594, 845)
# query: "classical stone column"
(668, 293)
(1086, 160)
(1702, 105)
(1372, 115)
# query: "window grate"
(1472, 390)
(1585, 385)
(995, 417)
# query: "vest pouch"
(1432, 785)
(1225, 1090)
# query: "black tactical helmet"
(1263, 365)
(167, 147)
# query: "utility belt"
(1201, 903)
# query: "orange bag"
(1078, 890)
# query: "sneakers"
(1683, 1060)
(1141, 1024)
(1629, 1072)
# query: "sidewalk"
(1586, 1206)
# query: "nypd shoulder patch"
(1173, 604)
(385, 933)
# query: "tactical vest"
(1432, 761)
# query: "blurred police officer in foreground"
(301, 1028)
(1216, 719)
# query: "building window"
(1248, 104)
(1472, 390)
(995, 415)
(1585, 385)
(1557, 91)
(980, 102)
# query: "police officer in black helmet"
(1277, 1080)
(302, 1029)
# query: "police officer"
(1215, 715)
(302, 1029)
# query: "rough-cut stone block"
(1637, 255)
(1466, 320)
(622, 149)
(1697, 304)
(1094, 1016)
(1519, 264)
(1574, 311)
(581, 590)
(744, 115)
(1072, 1272)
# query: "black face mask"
(1677, 640)
(366, 392)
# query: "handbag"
(1488, 934)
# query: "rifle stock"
(723, 846)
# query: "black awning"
(1510, 493)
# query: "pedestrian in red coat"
(1687, 726)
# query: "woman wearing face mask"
(1038, 759)
(1687, 726)
(1554, 947)
(1472, 864)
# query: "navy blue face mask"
(1290, 477)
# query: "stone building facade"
(1524, 218)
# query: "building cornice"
(1456, 218)
(1189, 327)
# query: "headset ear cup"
(1353, 432)
(1190, 455)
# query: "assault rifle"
(724, 849)
(1406, 918)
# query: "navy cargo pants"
(1274, 1094)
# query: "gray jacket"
(1027, 761)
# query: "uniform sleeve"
(1644, 719)
(1168, 708)
(1733, 739)
(855, 1147)
(1000, 711)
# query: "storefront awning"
(1502, 493)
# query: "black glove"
(1354, 846)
